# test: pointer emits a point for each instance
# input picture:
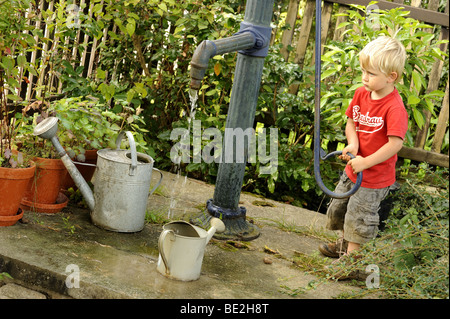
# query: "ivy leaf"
(131, 26)
(417, 80)
(217, 68)
(418, 117)
(163, 6)
(413, 100)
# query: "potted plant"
(15, 167)
(15, 174)
(85, 128)
(43, 193)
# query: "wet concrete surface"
(48, 253)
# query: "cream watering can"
(122, 181)
(181, 248)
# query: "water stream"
(176, 187)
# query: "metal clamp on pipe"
(262, 39)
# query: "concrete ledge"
(123, 265)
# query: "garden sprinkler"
(122, 182)
(319, 153)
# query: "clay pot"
(11, 220)
(61, 202)
(13, 184)
(44, 187)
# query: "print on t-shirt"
(376, 122)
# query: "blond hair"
(384, 54)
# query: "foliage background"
(144, 65)
(142, 75)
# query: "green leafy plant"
(84, 126)
(5, 275)
(27, 142)
(15, 43)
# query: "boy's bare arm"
(385, 152)
(352, 140)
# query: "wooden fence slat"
(421, 155)
(340, 19)
(77, 40)
(34, 54)
(303, 39)
(291, 18)
(442, 124)
(433, 84)
(44, 56)
(424, 15)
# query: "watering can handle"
(161, 240)
(159, 182)
(132, 147)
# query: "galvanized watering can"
(181, 249)
(122, 181)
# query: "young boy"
(376, 126)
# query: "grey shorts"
(357, 215)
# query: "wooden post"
(291, 17)
(442, 124)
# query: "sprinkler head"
(47, 128)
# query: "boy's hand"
(357, 164)
(350, 148)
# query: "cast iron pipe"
(252, 40)
(208, 49)
(252, 44)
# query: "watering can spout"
(47, 130)
(216, 226)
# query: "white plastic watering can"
(181, 248)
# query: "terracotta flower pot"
(13, 184)
(11, 220)
(61, 202)
(44, 187)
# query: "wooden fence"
(302, 40)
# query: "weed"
(155, 217)
(5, 275)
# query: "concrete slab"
(67, 254)
(14, 291)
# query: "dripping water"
(177, 188)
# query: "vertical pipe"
(241, 115)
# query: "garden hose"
(319, 153)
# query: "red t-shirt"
(375, 120)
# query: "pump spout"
(47, 130)
(207, 49)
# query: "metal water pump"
(252, 45)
